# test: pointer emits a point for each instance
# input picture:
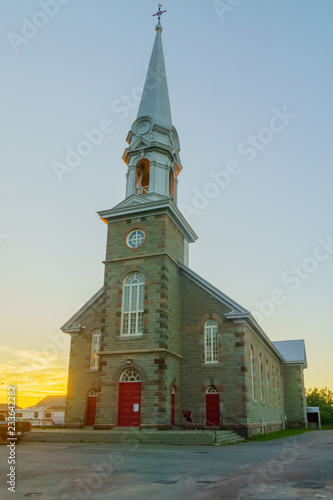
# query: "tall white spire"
(153, 152)
(155, 101)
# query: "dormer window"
(142, 177)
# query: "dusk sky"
(250, 86)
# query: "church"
(157, 338)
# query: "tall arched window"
(211, 343)
(172, 184)
(95, 347)
(252, 373)
(133, 304)
(261, 379)
(267, 381)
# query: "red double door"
(129, 404)
(212, 410)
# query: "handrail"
(204, 427)
(239, 423)
(74, 420)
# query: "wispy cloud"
(18, 368)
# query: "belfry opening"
(142, 177)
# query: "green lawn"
(278, 434)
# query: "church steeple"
(153, 153)
(155, 101)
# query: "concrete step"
(134, 436)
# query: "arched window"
(133, 304)
(212, 390)
(261, 382)
(267, 381)
(130, 375)
(252, 373)
(95, 347)
(142, 177)
(172, 184)
(211, 343)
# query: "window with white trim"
(267, 382)
(95, 347)
(252, 374)
(211, 342)
(261, 383)
(130, 375)
(133, 304)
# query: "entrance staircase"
(134, 436)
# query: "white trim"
(211, 341)
(135, 292)
(68, 326)
(215, 292)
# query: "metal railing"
(142, 190)
(244, 432)
(79, 420)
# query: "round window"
(135, 238)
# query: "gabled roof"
(215, 292)
(73, 324)
(50, 401)
(293, 351)
(237, 311)
(139, 204)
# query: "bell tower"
(152, 155)
(153, 165)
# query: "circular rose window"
(135, 238)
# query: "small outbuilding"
(313, 415)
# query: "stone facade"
(185, 345)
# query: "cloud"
(35, 374)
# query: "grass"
(278, 434)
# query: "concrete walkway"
(130, 436)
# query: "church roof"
(237, 311)
(73, 324)
(293, 351)
(50, 402)
(155, 101)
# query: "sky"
(250, 86)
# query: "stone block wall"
(295, 398)
(81, 378)
(266, 408)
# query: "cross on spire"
(159, 12)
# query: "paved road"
(293, 468)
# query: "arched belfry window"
(211, 342)
(142, 176)
(133, 304)
(95, 347)
(172, 184)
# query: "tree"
(324, 399)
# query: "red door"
(172, 409)
(129, 404)
(212, 410)
(91, 410)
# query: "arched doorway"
(212, 407)
(173, 393)
(129, 407)
(91, 407)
